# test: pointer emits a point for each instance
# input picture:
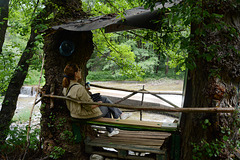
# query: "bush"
(16, 143)
(100, 76)
(33, 78)
(109, 76)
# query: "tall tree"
(56, 127)
(214, 80)
(4, 5)
(18, 77)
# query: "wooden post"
(142, 103)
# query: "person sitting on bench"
(116, 112)
(75, 90)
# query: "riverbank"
(163, 84)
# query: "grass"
(110, 76)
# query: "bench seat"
(131, 124)
(138, 142)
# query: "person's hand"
(95, 106)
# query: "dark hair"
(69, 72)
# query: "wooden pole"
(163, 99)
(163, 109)
(145, 92)
(142, 104)
(126, 97)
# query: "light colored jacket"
(80, 111)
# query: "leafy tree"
(212, 82)
(19, 75)
(159, 43)
(3, 21)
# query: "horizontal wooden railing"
(140, 91)
(163, 109)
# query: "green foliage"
(136, 53)
(57, 152)
(33, 78)
(109, 76)
(67, 136)
(100, 76)
(120, 54)
(206, 149)
(16, 141)
(99, 7)
(21, 15)
(206, 124)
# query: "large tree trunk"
(56, 122)
(213, 83)
(3, 21)
(56, 128)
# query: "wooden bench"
(134, 135)
(138, 145)
(134, 124)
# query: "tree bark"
(56, 121)
(4, 7)
(212, 83)
(56, 127)
(16, 82)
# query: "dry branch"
(30, 117)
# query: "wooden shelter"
(72, 42)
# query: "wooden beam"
(163, 99)
(126, 97)
(152, 108)
(145, 92)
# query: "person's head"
(72, 72)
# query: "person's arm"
(84, 96)
(96, 105)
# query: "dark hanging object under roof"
(66, 48)
(133, 19)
